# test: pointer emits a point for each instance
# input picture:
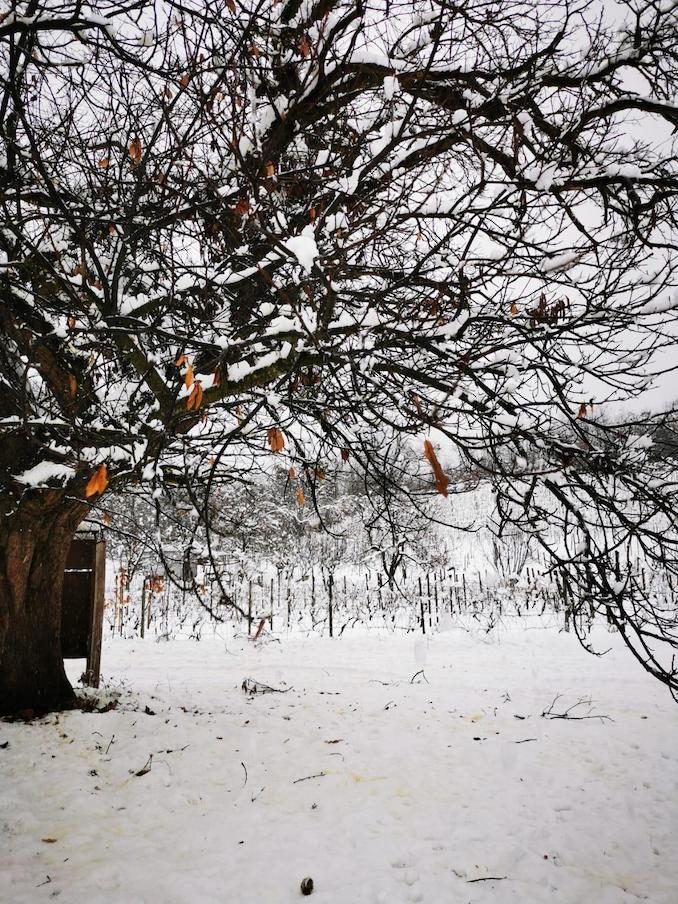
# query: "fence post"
(330, 586)
(421, 607)
(143, 608)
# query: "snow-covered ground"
(446, 788)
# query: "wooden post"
(142, 626)
(330, 586)
(270, 620)
(421, 607)
(249, 607)
(93, 669)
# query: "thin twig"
(583, 701)
(487, 879)
(307, 777)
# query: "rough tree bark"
(35, 537)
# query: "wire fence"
(327, 601)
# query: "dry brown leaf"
(189, 376)
(275, 438)
(72, 386)
(301, 499)
(182, 359)
(514, 309)
(49, 840)
(582, 410)
(103, 163)
(135, 151)
(320, 474)
(231, 6)
(269, 169)
(216, 380)
(97, 482)
(184, 80)
(441, 479)
(345, 455)
(291, 473)
(304, 47)
(194, 399)
(242, 206)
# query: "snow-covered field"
(448, 787)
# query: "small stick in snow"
(307, 777)
(252, 687)
(245, 768)
(147, 767)
(487, 879)
(420, 672)
(583, 701)
(525, 740)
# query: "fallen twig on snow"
(252, 687)
(487, 879)
(147, 767)
(566, 714)
(420, 672)
(307, 777)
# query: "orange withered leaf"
(182, 359)
(135, 152)
(301, 499)
(194, 399)
(582, 410)
(269, 169)
(320, 474)
(184, 80)
(242, 206)
(188, 376)
(231, 6)
(103, 162)
(514, 309)
(304, 47)
(97, 482)
(441, 479)
(291, 473)
(276, 440)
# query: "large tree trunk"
(35, 536)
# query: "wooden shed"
(82, 613)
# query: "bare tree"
(272, 227)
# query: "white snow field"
(446, 788)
